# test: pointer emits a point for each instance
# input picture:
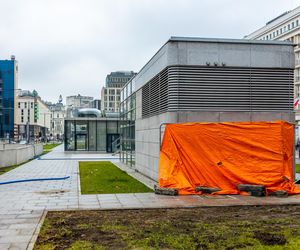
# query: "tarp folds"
(226, 154)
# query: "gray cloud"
(68, 47)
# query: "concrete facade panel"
(158, 62)
(138, 96)
(235, 116)
(197, 116)
(265, 116)
(231, 52)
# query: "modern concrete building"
(110, 94)
(285, 27)
(203, 80)
(33, 116)
(8, 94)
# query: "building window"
(293, 25)
(6, 119)
(25, 105)
(22, 111)
(31, 105)
(19, 105)
(289, 26)
(297, 22)
(297, 91)
(22, 119)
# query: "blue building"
(8, 87)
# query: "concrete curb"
(37, 231)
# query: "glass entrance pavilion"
(91, 134)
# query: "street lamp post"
(44, 114)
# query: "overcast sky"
(69, 46)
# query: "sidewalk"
(23, 204)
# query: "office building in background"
(110, 94)
(8, 92)
(285, 27)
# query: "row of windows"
(24, 104)
(116, 85)
(22, 118)
(111, 104)
(112, 98)
(282, 30)
(119, 79)
(112, 91)
(22, 111)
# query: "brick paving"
(23, 205)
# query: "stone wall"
(12, 154)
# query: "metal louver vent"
(201, 88)
(155, 95)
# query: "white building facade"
(58, 114)
(33, 117)
(285, 27)
(110, 99)
(75, 102)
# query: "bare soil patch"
(251, 227)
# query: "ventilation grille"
(155, 95)
(195, 88)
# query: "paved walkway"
(22, 205)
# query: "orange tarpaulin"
(226, 154)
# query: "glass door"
(81, 142)
(110, 148)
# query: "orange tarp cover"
(227, 154)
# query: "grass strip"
(106, 178)
(49, 147)
(297, 168)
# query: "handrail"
(160, 132)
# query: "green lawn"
(48, 147)
(105, 178)
(297, 168)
